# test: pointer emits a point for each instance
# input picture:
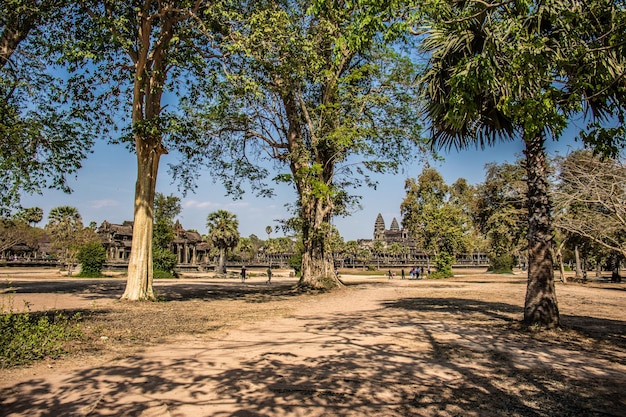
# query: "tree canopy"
(323, 100)
(44, 133)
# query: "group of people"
(414, 273)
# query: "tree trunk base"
(320, 284)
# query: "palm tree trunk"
(540, 306)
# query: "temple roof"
(379, 226)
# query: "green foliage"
(437, 222)
(316, 92)
(295, 262)
(223, 232)
(27, 337)
(163, 260)
(65, 226)
(443, 264)
(92, 257)
(161, 274)
(45, 136)
(501, 264)
(166, 208)
(13, 232)
(501, 214)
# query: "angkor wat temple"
(396, 248)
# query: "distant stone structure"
(391, 235)
(391, 247)
(410, 253)
(117, 240)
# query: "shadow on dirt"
(164, 290)
(411, 357)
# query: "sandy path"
(363, 351)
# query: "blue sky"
(104, 190)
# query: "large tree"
(68, 235)
(438, 225)
(136, 59)
(500, 213)
(166, 208)
(590, 199)
(520, 70)
(312, 90)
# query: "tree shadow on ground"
(164, 291)
(411, 357)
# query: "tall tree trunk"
(540, 306)
(140, 267)
(579, 268)
(559, 258)
(318, 269)
(220, 262)
(149, 78)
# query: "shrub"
(164, 262)
(443, 263)
(501, 264)
(92, 257)
(26, 337)
(158, 273)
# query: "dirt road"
(376, 348)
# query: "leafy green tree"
(378, 249)
(223, 232)
(138, 56)
(92, 257)
(17, 231)
(45, 137)
(438, 225)
(521, 70)
(31, 215)
(245, 249)
(325, 98)
(352, 249)
(500, 213)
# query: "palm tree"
(480, 88)
(222, 227)
(65, 225)
(31, 215)
(516, 70)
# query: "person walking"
(269, 275)
(243, 274)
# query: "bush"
(443, 263)
(92, 257)
(25, 337)
(501, 264)
(164, 262)
(158, 273)
(296, 263)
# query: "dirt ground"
(378, 347)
